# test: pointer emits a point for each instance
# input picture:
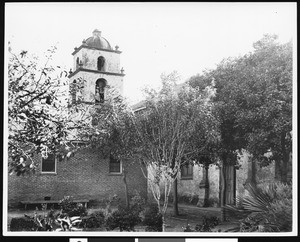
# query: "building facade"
(86, 175)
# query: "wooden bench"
(84, 201)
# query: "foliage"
(254, 98)
(71, 208)
(52, 214)
(152, 218)
(137, 202)
(37, 120)
(111, 129)
(109, 202)
(126, 217)
(41, 121)
(22, 224)
(123, 218)
(188, 228)
(93, 220)
(164, 128)
(37, 222)
(254, 102)
(256, 223)
(68, 223)
(211, 202)
(112, 132)
(266, 209)
(46, 221)
(208, 223)
(188, 199)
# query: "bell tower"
(97, 67)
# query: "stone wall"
(189, 188)
(263, 174)
(89, 57)
(114, 83)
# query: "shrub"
(188, 199)
(194, 199)
(79, 210)
(267, 208)
(71, 208)
(52, 214)
(94, 220)
(123, 218)
(188, 228)
(111, 201)
(256, 223)
(152, 218)
(208, 223)
(283, 211)
(22, 224)
(213, 202)
(137, 203)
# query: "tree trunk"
(223, 192)
(126, 189)
(251, 173)
(206, 191)
(281, 165)
(175, 198)
(163, 223)
(230, 177)
(278, 170)
(285, 159)
(228, 187)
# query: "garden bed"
(189, 214)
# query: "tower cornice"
(94, 48)
(95, 71)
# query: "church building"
(87, 175)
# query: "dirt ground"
(188, 214)
(192, 215)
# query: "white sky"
(154, 37)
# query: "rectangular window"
(187, 171)
(49, 164)
(115, 165)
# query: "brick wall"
(86, 175)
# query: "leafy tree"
(254, 103)
(256, 91)
(265, 112)
(41, 118)
(112, 131)
(164, 130)
(37, 119)
(205, 142)
(224, 151)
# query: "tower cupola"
(97, 67)
(97, 41)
